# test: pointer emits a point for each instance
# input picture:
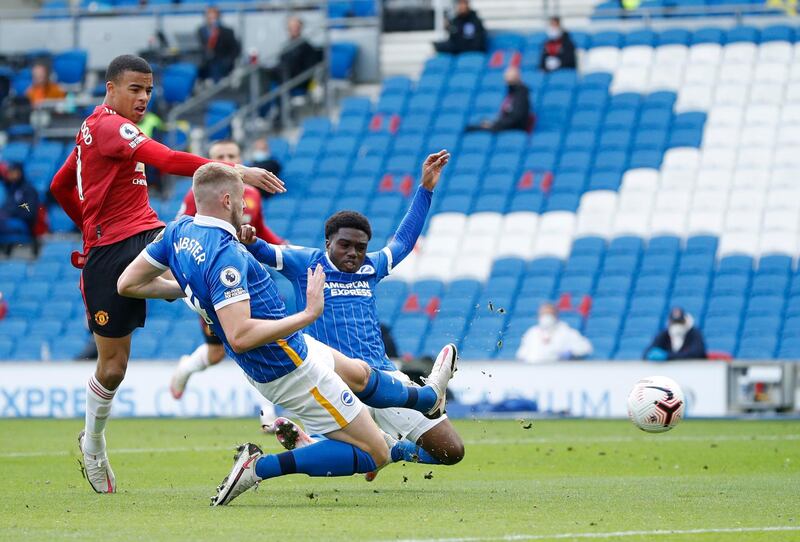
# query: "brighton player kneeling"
(236, 296)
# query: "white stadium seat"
(759, 157)
(598, 201)
(637, 55)
(757, 136)
(668, 223)
(747, 199)
(472, 267)
(783, 177)
(740, 74)
(521, 222)
(484, 223)
(790, 114)
(671, 54)
(408, 270)
(789, 135)
(630, 79)
(673, 200)
(484, 244)
(602, 59)
(778, 242)
(762, 115)
(783, 198)
(725, 115)
(720, 137)
(552, 244)
(640, 180)
(635, 223)
(787, 157)
(757, 178)
(447, 223)
(599, 224)
(739, 53)
(787, 220)
(676, 179)
(515, 244)
(558, 222)
(634, 201)
(666, 77)
(775, 51)
(717, 178)
(699, 74)
(705, 223)
(794, 72)
(731, 94)
(682, 158)
(433, 266)
(743, 220)
(738, 243)
(440, 245)
(717, 158)
(767, 94)
(694, 98)
(774, 73)
(792, 95)
(709, 200)
(708, 54)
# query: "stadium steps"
(404, 53)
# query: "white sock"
(98, 407)
(197, 361)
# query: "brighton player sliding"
(102, 187)
(350, 321)
(237, 298)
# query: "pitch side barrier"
(585, 389)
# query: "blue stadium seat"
(765, 305)
(576, 285)
(541, 286)
(582, 265)
(764, 284)
(356, 105)
(647, 306)
(591, 99)
(586, 119)
(725, 306)
(342, 59)
(439, 64)
(674, 36)
(775, 264)
(490, 203)
(544, 266)
(504, 163)
(613, 306)
(730, 284)
(607, 39)
(697, 263)
(652, 285)
(588, 245)
(640, 37)
(736, 264)
(351, 124)
(708, 35)
(704, 244)
(742, 33)
(659, 264)
(613, 285)
(70, 66)
(177, 82)
(778, 32)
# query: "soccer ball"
(656, 404)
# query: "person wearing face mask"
(260, 156)
(515, 111)
(552, 340)
(681, 340)
(466, 32)
(558, 52)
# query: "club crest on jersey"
(366, 270)
(128, 131)
(230, 277)
(347, 398)
(101, 318)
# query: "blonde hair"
(212, 181)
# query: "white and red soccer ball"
(656, 404)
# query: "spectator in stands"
(297, 54)
(681, 340)
(219, 45)
(558, 52)
(515, 111)
(20, 209)
(260, 156)
(42, 88)
(466, 32)
(552, 340)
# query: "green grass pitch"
(557, 480)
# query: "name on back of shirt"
(192, 246)
(357, 288)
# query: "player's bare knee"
(380, 454)
(111, 375)
(452, 453)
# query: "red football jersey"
(112, 186)
(253, 213)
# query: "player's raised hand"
(261, 178)
(247, 234)
(432, 168)
(315, 292)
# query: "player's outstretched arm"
(143, 280)
(185, 164)
(410, 227)
(245, 333)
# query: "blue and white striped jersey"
(350, 322)
(214, 269)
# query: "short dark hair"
(347, 219)
(127, 63)
(556, 19)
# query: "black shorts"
(208, 333)
(109, 314)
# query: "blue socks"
(323, 458)
(405, 450)
(385, 391)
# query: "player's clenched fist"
(315, 292)
(247, 234)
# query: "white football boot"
(443, 369)
(180, 377)
(242, 477)
(97, 470)
(290, 435)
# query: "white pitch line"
(617, 534)
(483, 442)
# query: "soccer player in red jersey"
(103, 189)
(212, 352)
